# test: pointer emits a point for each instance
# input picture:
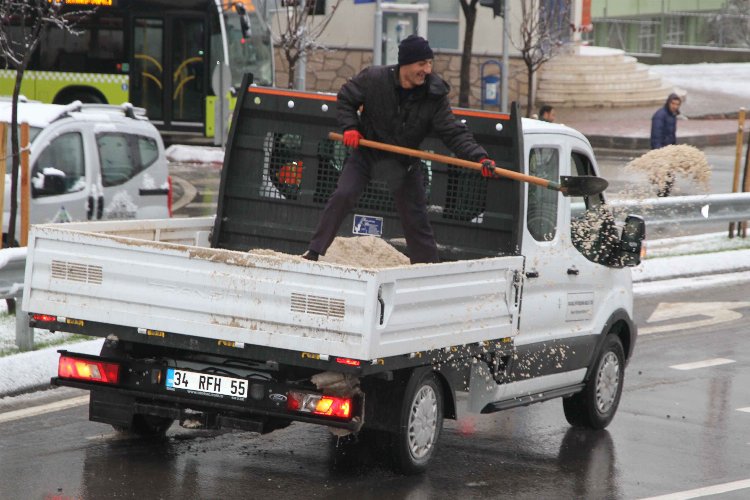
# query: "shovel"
(584, 185)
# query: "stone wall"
(327, 70)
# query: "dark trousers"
(407, 187)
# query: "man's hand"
(488, 168)
(352, 138)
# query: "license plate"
(203, 383)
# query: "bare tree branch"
(544, 26)
(298, 31)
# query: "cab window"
(62, 164)
(541, 211)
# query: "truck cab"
(89, 162)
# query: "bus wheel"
(85, 96)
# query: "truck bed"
(161, 275)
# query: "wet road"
(682, 425)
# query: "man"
(664, 133)
(547, 113)
(398, 105)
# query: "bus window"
(249, 55)
(97, 47)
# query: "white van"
(90, 162)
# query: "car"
(90, 162)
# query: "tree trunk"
(470, 13)
(16, 160)
(531, 89)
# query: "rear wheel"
(421, 422)
(595, 406)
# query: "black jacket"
(664, 126)
(383, 119)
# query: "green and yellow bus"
(167, 56)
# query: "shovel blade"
(582, 185)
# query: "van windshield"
(33, 133)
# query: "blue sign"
(367, 225)
(363, 1)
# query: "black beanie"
(413, 48)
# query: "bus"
(167, 56)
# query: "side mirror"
(244, 19)
(633, 234)
(50, 181)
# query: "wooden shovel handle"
(473, 165)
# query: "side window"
(148, 150)
(123, 156)
(541, 209)
(592, 227)
(62, 163)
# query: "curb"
(644, 143)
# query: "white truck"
(529, 302)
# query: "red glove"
(352, 138)
(488, 168)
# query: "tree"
(544, 26)
(22, 23)
(732, 25)
(298, 31)
(469, 9)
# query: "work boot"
(310, 255)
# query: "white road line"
(704, 492)
(42, 409)
(702, 364)
(746, 409)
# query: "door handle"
(100, 208)
(532, 274)
(573, 271)
(89, 207)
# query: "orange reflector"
(87, 369)
(47, 318)
(334, 407)
(348, 361)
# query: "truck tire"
(421, 423)
(595, 406)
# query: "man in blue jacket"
(398, 105)
(664, 133)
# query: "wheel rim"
(423, 422)
(607, 382)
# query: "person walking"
(664, 133)
(399, 104)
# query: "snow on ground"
(724, 78)
(180, 153)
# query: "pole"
(25, 188)
(738, 154)
(745, 187)
(506, 60)
(377, 44)
(3, 152)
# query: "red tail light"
(87, 369)
(318, 404)
(44, 318)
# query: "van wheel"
(420, 424)
(595, 406)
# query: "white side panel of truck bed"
(286, 303)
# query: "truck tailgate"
(266, 300)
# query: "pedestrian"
(664, 133)
(547, 113)
(399, 104)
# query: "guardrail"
(726, 207)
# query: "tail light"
(88, 369)
(170, 194)
(319, 404)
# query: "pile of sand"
(678, 160)
(367, 252)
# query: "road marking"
(42, 409)
(703, 364)
(704, 492)
(716, 312)
(746, 409)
